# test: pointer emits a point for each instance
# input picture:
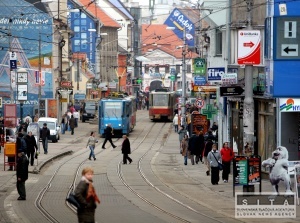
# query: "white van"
(52, 125)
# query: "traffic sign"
(249, 47)
(200, 103)
(13, 64)
(231, 91)
(286, 38)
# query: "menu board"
(254, 170)
(200, 122)
(240, 168)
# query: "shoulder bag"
(72, 200)
(220, 165)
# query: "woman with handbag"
(214, 160)
(86, 196)
(227, 155)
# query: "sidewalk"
(55, 150)
(198, 184)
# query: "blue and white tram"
(119, 112)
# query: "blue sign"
(286, 45)
(198, 81)
(178, 20)
(215, 73)
(13, 64)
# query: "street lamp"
(183, 75)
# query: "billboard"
(180, 22)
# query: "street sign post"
(200, 103)
(231, 91)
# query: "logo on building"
(215, 73)
(289, 105)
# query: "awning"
(142, 59)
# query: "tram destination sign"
(231, 91)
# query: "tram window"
(160, 100)
(112, 109)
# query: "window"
(167, 69)
(76, 29)
(83, 35)
(113, 109)
(218, 42)
(156, 69)
(177, 69)
(188, 68)
(160, 100)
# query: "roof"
(157, 36)
(98, 13)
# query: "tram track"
(38, 202)
(149, 183)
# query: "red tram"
(161, 104)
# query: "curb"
(38, 168)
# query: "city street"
(155, 187)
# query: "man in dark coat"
(194, 147)
(22, 174)
(108, 135)
(31, 147)
(126, 150)
(44, 134)
(72, 124)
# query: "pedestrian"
(108, 132)
(44, 134)
(207, 149)
(86, 196)
(72, 124)
(200, 148)
(227, 155)
(76, 117)
(31, 147)
(214, 158)
(184, 148)
(63, 124)
(91, 144)
(22, 170)
(181, 134)
(126, 150)
(147, 102)
(194, 148)
(175, 122)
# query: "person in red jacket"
(227, 155)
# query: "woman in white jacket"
(175, 122)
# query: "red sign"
(200, 103)
(66, 84)
(249, 47)
(94, 92)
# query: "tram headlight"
(119, 124)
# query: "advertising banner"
(254, 170)
(249, 47)
(199, 65)
(240, 168)
(180, 22)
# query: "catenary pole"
(183, 80)
(248, 110)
